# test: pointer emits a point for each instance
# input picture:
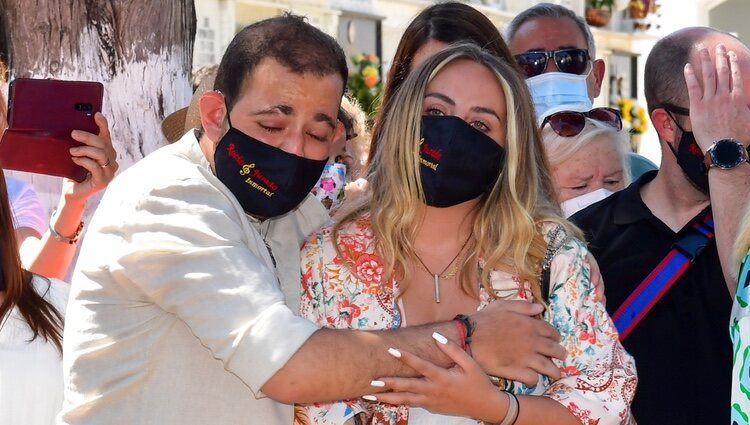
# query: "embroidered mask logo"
(429, 157)
(255, 178)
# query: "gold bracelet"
(60, 238)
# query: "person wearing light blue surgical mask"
(555, 91)
(555, 49)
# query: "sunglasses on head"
(571, 61)
(571, 123)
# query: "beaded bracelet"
(469, 326)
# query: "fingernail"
(395, 353)
(370, 397)
(380, 384)
(439, 338)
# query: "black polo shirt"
(681, 347)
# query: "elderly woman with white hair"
(588, 156)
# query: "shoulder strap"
(557, 239)
(666, 273)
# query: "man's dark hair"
(664, 81)
(289, 40)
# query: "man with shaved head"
(664, 243)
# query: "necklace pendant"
(437, 288)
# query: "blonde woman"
(461, 214)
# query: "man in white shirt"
(176, 314)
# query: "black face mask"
(267, 181)
(690, 158)
(457, 161)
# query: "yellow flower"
(370, 71)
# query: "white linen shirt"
(175, 313)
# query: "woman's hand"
(463, 390)
(97, 156)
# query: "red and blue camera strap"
(666, 273)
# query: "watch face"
(727, 154)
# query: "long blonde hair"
(507, 226)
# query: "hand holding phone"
(42, 115)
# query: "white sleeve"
(184, 249)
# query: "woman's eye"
(579, 187)
(269, 129)
(435, 112)
(612, 182)
(479, 125)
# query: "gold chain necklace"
(443, 275)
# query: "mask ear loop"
(682, 131)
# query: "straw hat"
(176, 124)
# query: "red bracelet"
(461, 334)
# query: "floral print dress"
(348, 291)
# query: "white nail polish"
(439, 338)
(380, 384)
(395, 353)
(370, 397)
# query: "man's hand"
(718, 109)
(509, 342)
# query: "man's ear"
(664, 125)
(598, 71)
(213, 110)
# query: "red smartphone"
(41, 116)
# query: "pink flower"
(369, 269)
(327, 184)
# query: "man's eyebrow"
(442, 97)
(288, 110)
(483, 110)
(542, 49)
(284, 109)
(326, 119)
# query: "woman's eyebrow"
(442, 97)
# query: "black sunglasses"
(571, 123)
(571, 61)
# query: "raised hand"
(98, 157)
(718, 109)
